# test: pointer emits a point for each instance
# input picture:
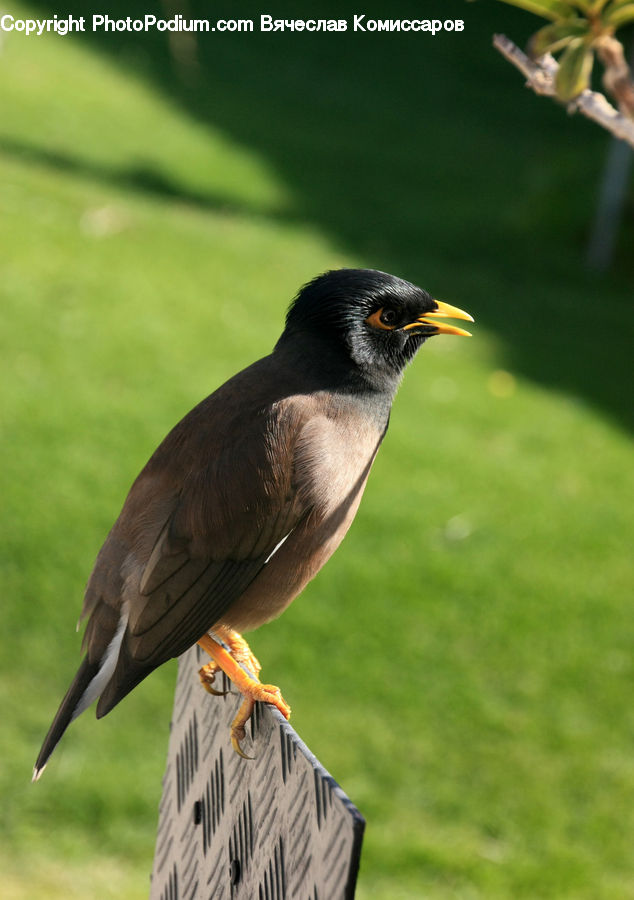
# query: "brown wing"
(182, 595)
(198, 526)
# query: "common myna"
(250, 494)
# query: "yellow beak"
(444, 311)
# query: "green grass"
(463, 665)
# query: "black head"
(377, 320)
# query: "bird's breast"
(331, 463)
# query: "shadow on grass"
(416, 154)
(140, 177)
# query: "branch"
(540, 77)
(617, 78)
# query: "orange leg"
(247, 683)
(240, 651)
(239, 648)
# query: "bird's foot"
(247, 683)
(239, 648)
(263, 693)
(240, 651)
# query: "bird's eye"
(384, 318)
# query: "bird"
(249, 495)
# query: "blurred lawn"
(463, 666)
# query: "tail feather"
(66, 713)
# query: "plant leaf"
(619, 15)
(547, 9)
(555, 37)
(575, 68)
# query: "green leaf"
(575, 68)
(547, 9)
(597, 6)
(619, 14)
(555, 37)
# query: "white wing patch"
(107, 667)
(277, 547)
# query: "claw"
(207, 677)
(262, 693)
(238, 732)
(235, 743)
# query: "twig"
(617, 78)
(540, 77)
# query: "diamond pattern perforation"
(276, 827)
